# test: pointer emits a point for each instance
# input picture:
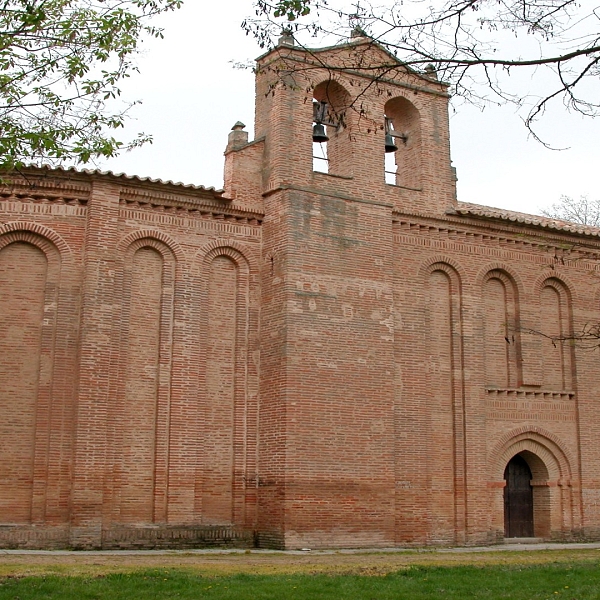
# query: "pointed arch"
(555, 505)
(537, 440)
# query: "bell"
(390, 143)
(319, 134)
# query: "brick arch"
(501, 268)
(417, 100)
(446, 266)
(163, 249)
(152, 234)
(340, 147)
(167, 252)
(501, 318)
(443, 263)
(445, 385)
(150, 504)
(328, 80)
(225, 503)
(556, 508)
(51, 326)
(45, 244)
(338, 98)
(239, 253)
(556, 323)
(540, 442)
(402, 98)
(405, 118)
(237, 257)
(34, 231)
(559, 282)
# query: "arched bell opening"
(403, 148)
(527, 501)
(332, 147)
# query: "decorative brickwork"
(304, 359)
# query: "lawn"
(572, 580)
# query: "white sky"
(192, 96)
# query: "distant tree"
(582, 210)
(61, 63)
(476, 45)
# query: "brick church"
(329, 352)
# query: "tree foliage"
(479, 46)
(580, 210)
(61, 64)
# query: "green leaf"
(51, 109)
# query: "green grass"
(565, 581)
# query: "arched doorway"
(555, 498)
(518, 499)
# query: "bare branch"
(474, 44)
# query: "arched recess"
(125, 244)
(42, 233)
(447, 410)
(332, 108)
(554, 502)
(556, 319)
(142, 415)
(404, 120)
(30, 271)
(501, 330)
(222, 473)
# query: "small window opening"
(320, 138)
(392, 139)
(320, 160)
(391, 168)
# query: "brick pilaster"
(96, 376)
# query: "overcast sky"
(192, 96)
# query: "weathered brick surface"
(305, 360)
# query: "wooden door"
(518, 499)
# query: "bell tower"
(360, 97)
(324, 120)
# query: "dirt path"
(264, 562)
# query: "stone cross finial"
(358, 32)
(430, 71)
(287, 38)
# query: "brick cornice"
(541, 235)
(566, 250)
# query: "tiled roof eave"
(535, 221)
(217, 193)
